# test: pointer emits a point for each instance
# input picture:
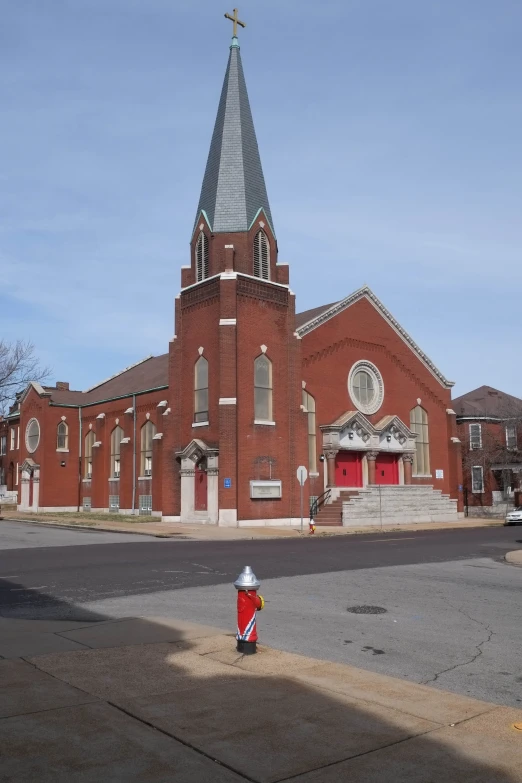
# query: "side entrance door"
(386, 469)
(200, 487)
(348, 469)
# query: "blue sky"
(390, 140)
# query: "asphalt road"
(450, 608)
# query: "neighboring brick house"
(489, 424)
(9, 459)
(214, 430)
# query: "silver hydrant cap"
(247, 580)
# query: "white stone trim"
(31, 420)
(366, 293)
(162, 404)
(369, 367)
(228, 275)
(262, 279)
(100, 416)
(228, 400)
(158, 436)
(227, 517)
(262, 421)
(63, 451)
(227, 321)
(200, 424)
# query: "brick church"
(214, 430)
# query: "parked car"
(514, 517)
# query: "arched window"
(309, 406)
(116, 439)
(261, 256)
(147, 434)
(262, 389)
(202, 257)
(201, 390)
(421, 458)
(62, 436)
(87, 454)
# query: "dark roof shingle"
(487, 401)
(148, 374)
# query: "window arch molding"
(116, 439)
(201, 257)
(62, 436)
(419, 423)
(261, 255)
(147, 433)
(263, 390)
(201, 391)
(89, 442)
(309, 406)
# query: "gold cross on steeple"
(236, 21)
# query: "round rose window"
(32, 435)
(365, 387)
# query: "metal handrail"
(318, 502)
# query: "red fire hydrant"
(248, 602)
(312, 527)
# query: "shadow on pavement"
(170, 705)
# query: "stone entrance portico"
(30, 485)
(385, 451)
(197, 459)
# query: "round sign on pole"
(302, 474)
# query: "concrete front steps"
(391, 505)
(332, 513)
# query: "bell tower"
(236, 432)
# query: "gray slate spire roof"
(233, 189)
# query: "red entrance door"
(31, 489)
(348, 469)
(200, 488)
(386, 469)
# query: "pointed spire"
(233, 189)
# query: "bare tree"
(18, 366)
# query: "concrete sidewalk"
(152, 700)
(202, 532)
(515, 558)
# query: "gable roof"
(150, 373)
(233, 190)
(311, 319)
(487, 402)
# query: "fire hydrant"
(312, 527)
(248, 602)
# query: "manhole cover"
(367, 609)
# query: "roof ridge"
(366, 291)
(110, 378)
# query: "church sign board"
(265, 490)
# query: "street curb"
(514, 558)
(63, 526)
(181, 536)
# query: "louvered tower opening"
(261, 256)
(202, 257)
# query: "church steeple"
(233, 190)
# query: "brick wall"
(360, 332)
